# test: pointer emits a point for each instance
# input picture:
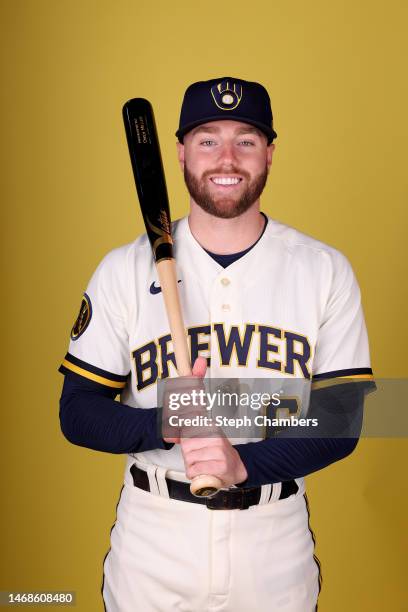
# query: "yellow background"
(336, 73)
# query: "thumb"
(200, 367)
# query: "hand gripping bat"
(144, 150)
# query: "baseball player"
(260, 299)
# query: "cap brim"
(269, 132)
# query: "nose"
(227, 154)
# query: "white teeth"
(226, 181)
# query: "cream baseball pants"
(168, 555)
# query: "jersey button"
(226, 307)
(225, 282)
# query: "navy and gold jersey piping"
(87, 370)
(340, 377)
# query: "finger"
(212, 468)
(204, 433)
(172, 440)
(180, 384)
(209, 453)
(200, 367)
(189, 444)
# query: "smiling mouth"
(225, 180)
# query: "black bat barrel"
(148, 173)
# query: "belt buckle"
(227, 499)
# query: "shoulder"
(136, 257)
(118, 261)
(113, 282)
(308, 250)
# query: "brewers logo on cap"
(227, 95)
(222, 98)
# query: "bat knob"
(205, 485)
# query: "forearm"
(90, 417)
(338, 411)
(280, 459)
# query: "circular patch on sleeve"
(83, 319)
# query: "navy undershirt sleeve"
(287, 456)
(90, 417)
(279, 460)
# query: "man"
(259, 300)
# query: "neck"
(226, 236)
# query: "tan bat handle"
(203, 485)
(166, 269)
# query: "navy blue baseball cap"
(226, 98)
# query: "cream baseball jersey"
(289, 308)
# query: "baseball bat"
(144, 150)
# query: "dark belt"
(231, 499)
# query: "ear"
(180, 154)
(269, 153)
